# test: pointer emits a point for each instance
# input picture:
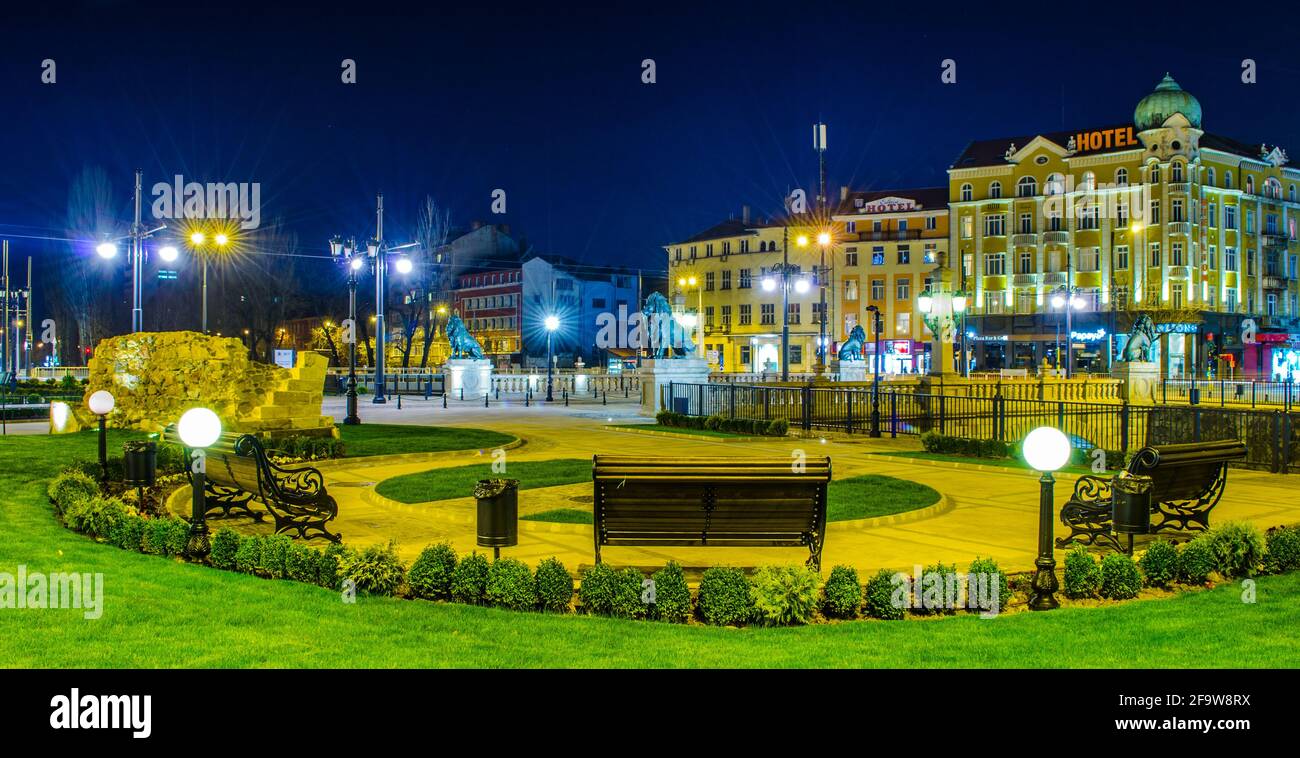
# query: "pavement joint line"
(687, 435)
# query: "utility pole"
(4, 330)
(137, 262)
(380, 264)
(785, 303)
(28, 342)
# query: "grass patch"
(459, 481)
(561, 516)
(387, 439)
(260, 623)
(686, 430)
(858, 497)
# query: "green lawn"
(386, 439)
(459, 481)
(683, 430)
(999, 462)
(164, 613)
(854, 498)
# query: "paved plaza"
(984, 511)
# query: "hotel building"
(1158, 216)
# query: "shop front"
(899, 357)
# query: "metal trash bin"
(498, 512)
(1130, 505)
(140, 463)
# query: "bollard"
(566, 398)
(604, 398)
(527, 397)
(399, 401)
(485, 399)
(444, 399)
(462, 392)
(428, 389)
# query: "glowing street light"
(101, 404)
(198, 428)
(769, 284)
(168, 253)
(198, 238)
(1046, 449)
(801, 286)
(221, 239)
(552, 323)
(404, 265)
(106, 250)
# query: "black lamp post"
(348, 253)
(1046, 449)
(875, 370)
(101, 404)
(552, 323)
(198, 428)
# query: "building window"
(851, 227)
(995, 190)
(932, 222)
(1230, 259)
(1209, 177)
(796, 354)
(1176, 210)
(1088, 215)
(851, 257)
(1026, 223)
(767, 315)
(1121, 257)
(903, 324)
(1175, 253)
(818, 312)
(967, 227)
(1154, 252)
(878, 256)
(1026, 187)
(931, 254)
(994, 264)
(708, 250)
(904, 254)
(1212, 215)
(995, 225)
(1230, 300)
(708, 281)
(1090, 259)
(993, 302)
(1153, 175)
(726, 279)
(726, 317)
(1250, 187)
(1176, 172)
(850, 289)
(1212, 258)
(1229, 217)
(1154, 218)
(744, 279)
(1227, 180)
(1055, 185)
(1270, 304)
(1025, 264)
(744, 246)
(746, 314)
(903, 290)
(1121, 177)
(708, 317)
(967, 193)
(791, 313)
(877, 289)
(745, 354)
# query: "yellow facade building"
(1156, 216)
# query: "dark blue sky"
(546, 102)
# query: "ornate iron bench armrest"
(1087, 513)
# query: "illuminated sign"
(1177, 328)
(1103, 139)
(889, 205)
(1100, 334)
(900, 347)
(986, 337)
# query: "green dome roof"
(1167, 100)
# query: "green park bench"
(238, 472)
(711, 502)
(1187, 481)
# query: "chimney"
(744, 213)
(844, 192)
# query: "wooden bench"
(724, 502)
(238, 471)
(1187, 481)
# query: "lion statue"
(462, 344)
(1141, 340)
(851, 349)
(665, 337)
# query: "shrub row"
(934, 442)
(1231, 550)
(720, 423)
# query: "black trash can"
(498, 512)
(140, 461)
(1131, 504)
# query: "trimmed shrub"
(1120, 579)
(327, 565)
(430, 575)
(596, 591)
(249, 555)
(225, 543)
(469, 580)
(878, 597)
(725, 597)
(554, 586)
(842, 595)
(275, 555)
(992, 584)
(613, 593)
(672, 596)
(128, 532)
(777, 428)
(165, 536)
(511, 585)
(1196, 560)
(1238, 548)
(1082, 575)
(1282, 549)
(69, 487)
(940, 591)
(713, 423)
(375, 570)
(95, 515)
(1159, 564)
(785, 595)
(300, 565)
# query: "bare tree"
(433, 227)
(91, 215)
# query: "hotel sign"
(889, 205)
(1105, 139)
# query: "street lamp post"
(769, 284)
(101, 404)
(137, 236)
(348, 253)
(1046, 450)
(875, 369)
(823, 241)
(552, 323)
(941, 309)
(198, 428)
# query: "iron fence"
(1270, 436)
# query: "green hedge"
(842, 595)
(554, 586)
(725, 598)
(720, 423)
(672, 596)
(510, 584)
(1082, 575)
(430, 576)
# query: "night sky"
(547, 103)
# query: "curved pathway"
(993, 513)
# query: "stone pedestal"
(474, 375)
(1139, 381)
(850, 371)
(656, 375)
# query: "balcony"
(901, 235)
(1274, 238)
(1182, 187)
(1275, 282)
(1052, 278)
(1025, 239)
(1180, 227)
(1056, 238)
(1024, 280)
